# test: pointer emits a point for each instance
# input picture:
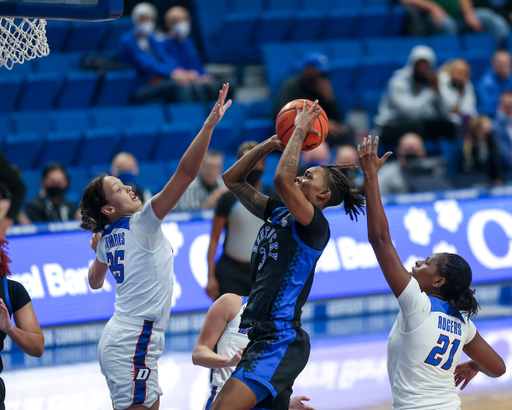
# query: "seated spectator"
(413, 102)
(413, 171)
(125, 167)
(502, 126)
(481, 161)
(458, 92)
(51, 203)
(496, 79)
(159, 79)
(347, 154)
(312, 83)
(452, 17)
(206, 189)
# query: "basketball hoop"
(23, 41)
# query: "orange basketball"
(285, 125)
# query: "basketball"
(285, 125)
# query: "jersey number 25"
(115, 263)
(435, 356)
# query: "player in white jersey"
(220, 346)
(129, 241)
(433, 325)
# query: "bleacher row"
(233, 31)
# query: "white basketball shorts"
(128, 352)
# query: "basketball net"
(23, 41)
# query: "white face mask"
(146, 28)
(181, 29)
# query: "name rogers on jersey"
(115, 239)
(266, 233)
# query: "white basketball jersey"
(424, 347)
(228, 344)
(141, 259)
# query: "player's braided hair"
(353, 200)
(93, 200)
(458, 275)
(4, 259)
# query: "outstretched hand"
(296, 403)
(219, 108)
(368, 158)
(305, 118)
(464, 372)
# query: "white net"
(22, 39)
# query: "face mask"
(254, 176)
(181, 29)
(55, 191)
(127, 176)
(146, 28)
(410, 157)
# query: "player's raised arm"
(234, 177)
(378, 229)
(286, 173)
(191, 162)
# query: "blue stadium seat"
(32, 122)
(108, 117)
(11, 88)
(343, 4)
(57, 32)
(247, 6)
(171, 166)
(32, 179)
(396, 49)
(224, 137)
(145, 115)
(173, 141)
(5, 126)
(60, 147)
(289, 6)
(116, 88)
(78, 180)
(229, 161)
(22, 149)
(445, 46)
(70, 120)
(345, 50)
(272, 27)
(236, 114)
(210, 17)
(152, 175)
(256, 130)
(259, 108)
(77, 90)
(39, 92)
(234, 41)
(61, 63)
(97, 147)
(377, 3)
(28, 67)
(341, 24)
(279, 60)
(373, 74)
(371, 100)
(85, 36)
(95, 170)
(480, 42)
(307, 25)
(396, 22)
(193, 113)
(479, 63)
(373, 22)
(140, 141)
(343, 75)
(116, 28)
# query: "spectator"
(503, 132)
(413, 171)
(51, 204)
(453, 17)
(457, 91)
(179, 49)
(501, 7)
(496, 79)
(206, 189)
(159, 78)
(12, 193)
(481, 160)
(312, 83)
(413, 102)
(347, 154)
(125, 167)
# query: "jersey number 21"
(435, 356)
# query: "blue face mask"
(126, 176)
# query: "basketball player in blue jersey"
(220, 346)
(292, 238)
(129, 241)
(433, 325)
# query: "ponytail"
(465, 301)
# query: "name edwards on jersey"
(115, 239)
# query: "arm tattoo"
(292, 160)
(253, 160)
(252, 199)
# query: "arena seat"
(247, 6)
(32, 122)
(273, 26)
(307, 25)
(259, 108)
(59, 146)
(396, 21)
(173, 141)
(28, 67)
(234, 41)
(61, 63)
(85, 36)
(278, 59)
(5, 126)
(57, 32)
(394, 49)
(108, 117)
(11, 89)
(445, 46)
(77, 90)
(373, 22)
(70, 120)
(32, 178)
(256, 130)
(373, 74)
(39, 91)
(116, 88)
(116, 28)
(22, 149)
(98, 147)
(95, 170)
(171, 166)
(479, 42)
(193, 113)
(139, 141)
(152, 175)
(144, 115)
(78, 180)
(289, 6)
(224, 137)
